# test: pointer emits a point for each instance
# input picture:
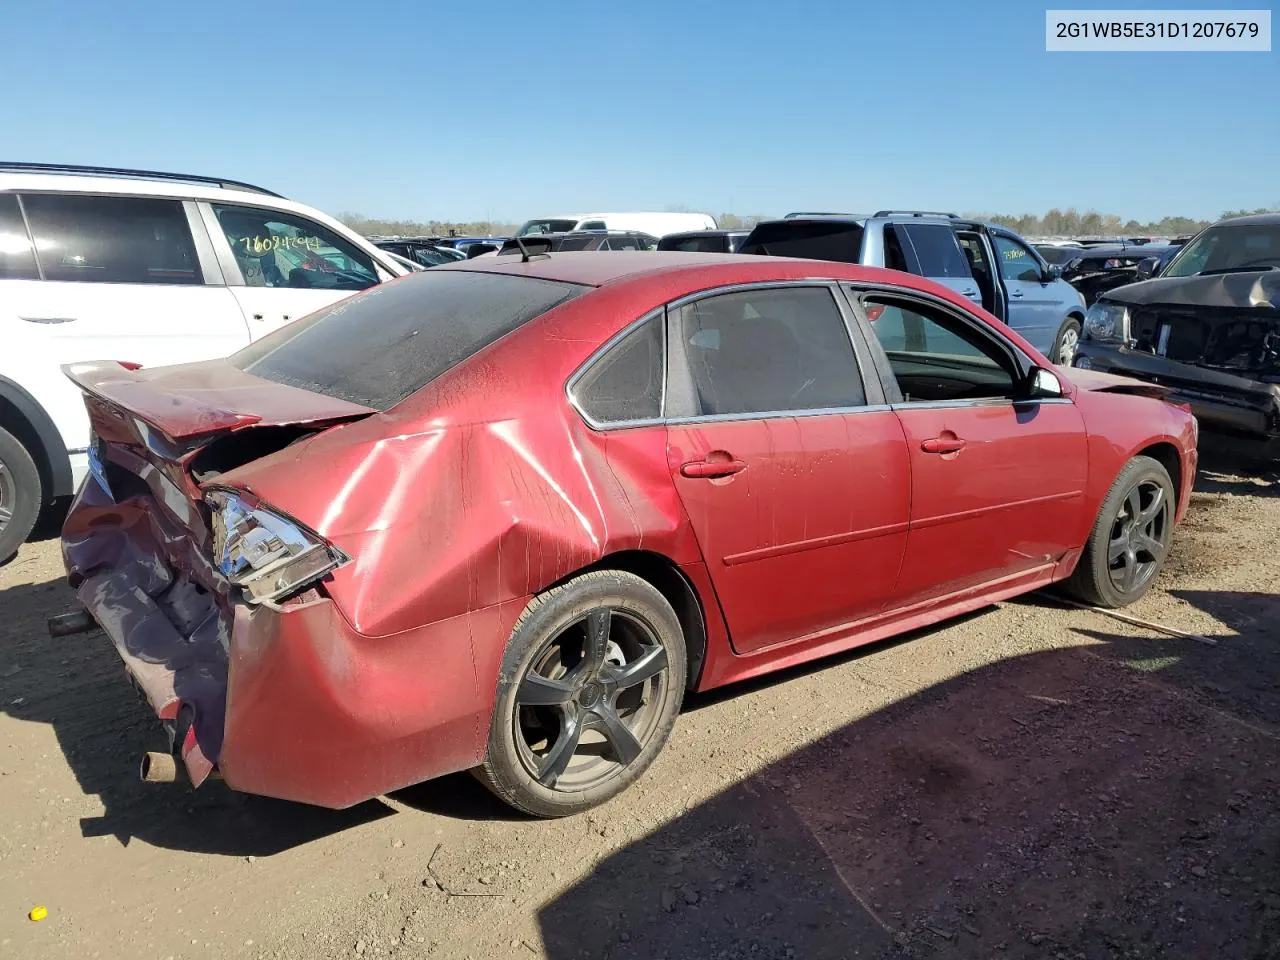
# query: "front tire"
(20, 495)
(590, 686)
(1130, 539)
(1066, 343)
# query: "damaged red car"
(504, 514)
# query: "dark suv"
(988, 263)
(1208, 327)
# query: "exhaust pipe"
(158, 768)
(69, 624)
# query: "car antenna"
(525, 255)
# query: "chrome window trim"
(839, 301)
(657, 314)
(832, 286)
(778, 414)
(907, 405)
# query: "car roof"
(717, 232)
(683, 268)
(1251, 220)
(175, 189)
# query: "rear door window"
(277, 249)
(936, 250)
(99, 239)
(17, 256)
(377, 348)
(768, 351)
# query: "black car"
(1208, 327)
(581, 240)
(426, 252)
(1093, 269)
(704, 241)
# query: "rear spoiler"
(203, 399)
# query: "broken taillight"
(268, 555)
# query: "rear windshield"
(712, 244)
(534, 227)
(380, 346)
(839, 241)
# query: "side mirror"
(1052, 272)
(1043, 384)
(1148, 267)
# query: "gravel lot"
(1030, 781)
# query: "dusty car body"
(313, 556)
(1209, 330)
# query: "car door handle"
(942, 445)
(710, 469)
(1016, 294)
(969, 293)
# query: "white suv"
(146, 268)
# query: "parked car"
(150, 268)
(984, 262)
(1207, 328)
(655, 224)
(593, 240)
(502, 514)
(413, 266)
(705, 241)
(426, 253)
(1096, 268)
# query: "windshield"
(377, 348)
(534, 227)
(1254, 246)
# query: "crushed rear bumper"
(286, 701)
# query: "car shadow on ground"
(1226, 470)
(1109, 800)
(77, 685)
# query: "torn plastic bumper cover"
(135, 572)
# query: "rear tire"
(1130, 539)
(20, 495)
(590, 686)
(1066, 343)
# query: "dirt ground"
(1030, 781)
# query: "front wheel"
(20, 494)
(1130, 538)
(590, 686)
(1066, 343)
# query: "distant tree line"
(1067, 223)
(1072, 223)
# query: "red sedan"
(503, 514)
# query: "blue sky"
(473, 109)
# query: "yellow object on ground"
(38, 913)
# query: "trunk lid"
(201, 400)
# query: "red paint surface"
(486, 487)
